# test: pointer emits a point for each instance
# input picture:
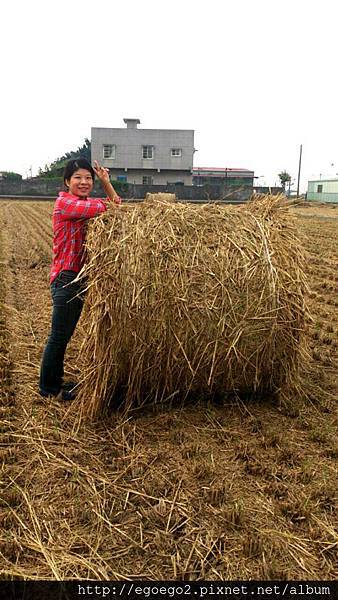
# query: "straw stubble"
(188, 300)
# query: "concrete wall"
(268, 190)
(191, 193)
(30, 187)
(36, 188)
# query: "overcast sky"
(253, 78)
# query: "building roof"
(322, 180)
(221, 171)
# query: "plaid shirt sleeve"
(74, 209)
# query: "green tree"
(55, 169)
(285, 178)
(10, 176)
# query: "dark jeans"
(67, 307)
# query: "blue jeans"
(67, 307)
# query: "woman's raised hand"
(101, 172)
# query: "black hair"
(74, 165)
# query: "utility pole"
(299, 167)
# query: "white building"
(144, 156)
(323, 190)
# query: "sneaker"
(65, 396)
(48, 395)
(66, 393)
(69, 386)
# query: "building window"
(147, 180)
(109, 151)
(319, 188)
(122, 178)
(176, 152)
(147, 151)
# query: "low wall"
(268, 190)
(37, 187)
(30, 187)
(191, 192)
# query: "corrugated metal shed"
(323, 190)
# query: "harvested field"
(230, 491)
(315, 209)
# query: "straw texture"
(164, 196)
(192, 300)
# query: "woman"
(72, 210)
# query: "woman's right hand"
(101, 172)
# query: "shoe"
(69, 386)
(48, 395)
(65, 396)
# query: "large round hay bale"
(185, 299)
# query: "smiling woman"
(81, 182)
(72, 210)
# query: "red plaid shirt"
(70, 219)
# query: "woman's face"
(81, 183)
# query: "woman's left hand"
(101, 172)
